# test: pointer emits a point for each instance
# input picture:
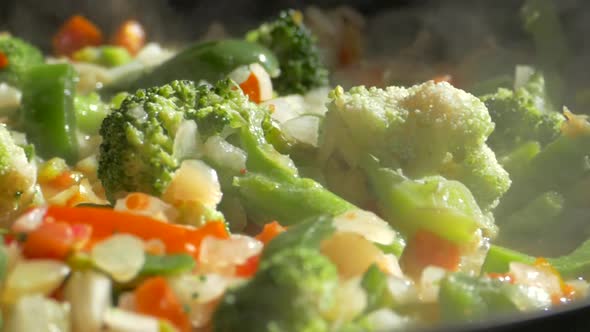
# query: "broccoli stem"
(514, 161)
(48, 113)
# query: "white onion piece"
(89, 294)
(126, 301)
(287, 107)
(533, 276)
(29, 221)
(155, 208)
(187, 143)
(9, 97)
(430, 283)
(403, 290)
(389, 264)
(198, 288)
(220, 253)
(367, 224)
(117, 320)
(316, 100)
(386, 320)
(580, 286)
(350, 300)
(38, 314)
(36, 276)
(351, 253)
(153, 54)
(220, 152)
(304, 129)
(264, 81)
(194, 181)
(121, 256)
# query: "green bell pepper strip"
(209, 61)
(166, 265)
(48, 113)
(573, 265)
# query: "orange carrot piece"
(50, 240)
(251, 88)
(130, 35)
(249, 267)
(75, 34)
(270, 231)
(3, 60)
(156, 298)
(426, 248)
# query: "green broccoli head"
(287, 294)
(294, 46)
(21, 55)
(427, 129)
(522, 115)
(18, 176)
(138, 138)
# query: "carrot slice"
(75, 34)
(426, 248)
(51, 240)
(270, 231)
(130, 35)
(155, 297)
(3, 60)
(249, 268)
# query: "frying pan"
(460, 25)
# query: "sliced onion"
(403, 290)
(386, 320)
(350, 301)
(9, 98)
(153, 54)
(89, 294)
(29, 221)
(39, 314)
(121, 256)
(304, 129)
(154, 207)
(220, 152)
(430, 283)
(351, 253)
(187, 143)
(36, 276)
(389, 264)
(522, 74)
(287, 107)
(534, 276)
(316, 101)
(366, 224)
(216, 254)
(194, 181)
(117, 320)
(199, 288)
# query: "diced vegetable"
(121, 256)
(50, 240)
(39, 314)
(48, 110)
(165, 265)
(270, 231)
(76, 33)
(351, 253)
(34, 277)
(89, 296)
(154, 297)
(116, 320)
(130, 35)
(426, 248)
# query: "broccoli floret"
(21, 55)
(287, 294)
(294, 46)
(137, 149)
(427, 129)
(522, 115)
(17, 176)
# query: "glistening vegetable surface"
(234, 185)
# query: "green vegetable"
(546, 171)
(290, 201)
(428, 129)
(3, 264)
(463, 297)
(48, 114)
(294, 45)
(21, 55)
(307, 234)
(287, 294)
(107, 55)
(209, 61)
(17, 177)
(525, 114)
(444, 207)
(90, 111)
(165, 265)
(573, 265)
(374, 283)
(514, 161)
